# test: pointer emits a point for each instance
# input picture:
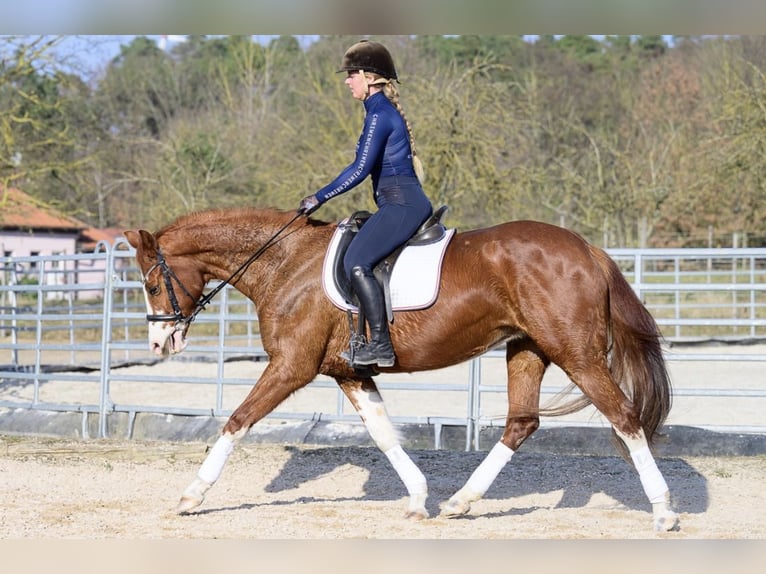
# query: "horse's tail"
(637, 363)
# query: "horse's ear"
(141, 240)
(132, 237)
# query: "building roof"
(91, 236)
(19, 210)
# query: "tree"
(736, 83)
(140, 91)
(627, 138)
(36, 135)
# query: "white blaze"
(164, 338)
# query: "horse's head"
(172, 288)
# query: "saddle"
(431, 231)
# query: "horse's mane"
(229, 217)
(237, 229)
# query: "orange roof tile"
(92, 235)
(19, 210)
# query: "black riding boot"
(379, 349)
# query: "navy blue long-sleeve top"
(383, 149)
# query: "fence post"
(105, 402)
(638, 273)
(221, 356)
(40, 307)
(474, 402)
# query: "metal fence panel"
(73, 338)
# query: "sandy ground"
(110, 490)
(114, 490)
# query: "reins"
(168, 274)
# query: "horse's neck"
(220, 243)
(219, 249)
(225, 254)
(222, 254)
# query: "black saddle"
(431, 231)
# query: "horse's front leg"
(364, 395)
(274, 386)
(209, 472)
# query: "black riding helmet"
(371, 57)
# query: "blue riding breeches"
(402, 209)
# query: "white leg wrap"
(410, 474)
(372, 410)
(479, 482)
(211, 469)
(486, 473)
(654, 484)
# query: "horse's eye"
(154, 290)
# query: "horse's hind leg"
(655, 487)
(608, 398)
(526, 367)
(364, 395)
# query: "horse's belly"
(452, 343)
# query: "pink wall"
(24, 244)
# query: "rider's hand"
(309, 205)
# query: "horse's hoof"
(453, 508)
(187, 504)
(668, 522)
(416, 515)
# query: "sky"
(91, 53)
(382, 16)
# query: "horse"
(540, 290)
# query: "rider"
(386, 152)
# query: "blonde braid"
(392, 93)
(367, 82)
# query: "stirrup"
(374, 355)
(354, 345)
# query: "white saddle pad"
(414, 281)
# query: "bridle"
(168, 276)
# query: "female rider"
(385, 151)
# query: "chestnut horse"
(538, 289)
